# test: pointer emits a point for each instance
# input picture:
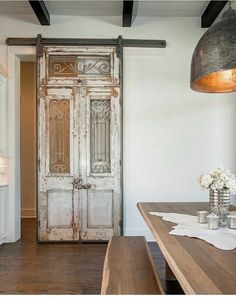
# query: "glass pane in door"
(59, 136)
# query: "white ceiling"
(171, 8)
(114, 8)
(147, 8)
(15, 7)
(85, 8)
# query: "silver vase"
(219, 204)
(214, 198)
(224, 204)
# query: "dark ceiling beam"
(41, 12)
(128, 6)
(211, 12)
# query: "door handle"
(78, 184)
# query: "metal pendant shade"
(213, 68)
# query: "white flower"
(232, 186)
(205, 181)
(218, 179)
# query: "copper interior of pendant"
(217, 82)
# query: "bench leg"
(169, 274)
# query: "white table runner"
(187, 225)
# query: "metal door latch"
(78, 184)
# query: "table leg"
(169, 274)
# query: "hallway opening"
(28, 140)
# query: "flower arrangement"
(218, 179)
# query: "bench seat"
(129, 268)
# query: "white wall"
(3, 206)
(171, 134)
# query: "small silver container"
(202, 216)
(232, 220)
(213, 221)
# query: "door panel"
(101, 206)
(60, 206)
(58, 155)
(59, 135)
(100, 209)
(79, 148)
(100, 119)
(93, 65)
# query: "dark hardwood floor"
(170, 287)
(30, 268)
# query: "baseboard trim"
(28, 213)
(2, 238)
(140, 232)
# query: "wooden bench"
(129, 268)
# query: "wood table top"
(199, 267)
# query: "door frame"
(16, 54)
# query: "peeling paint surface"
(84, 203)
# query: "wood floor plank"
(30, 268)
(27, 267)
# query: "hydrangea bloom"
(218, 179)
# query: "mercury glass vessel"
(219, 204)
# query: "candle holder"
(213, 221)
(232, 220)
(202, 216)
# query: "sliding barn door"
(79, 147)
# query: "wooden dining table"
(199, 267)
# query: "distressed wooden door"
(79, 147)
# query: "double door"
(79, 147)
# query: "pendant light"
(213, 68)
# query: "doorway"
(113, 222)
(28, 142)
